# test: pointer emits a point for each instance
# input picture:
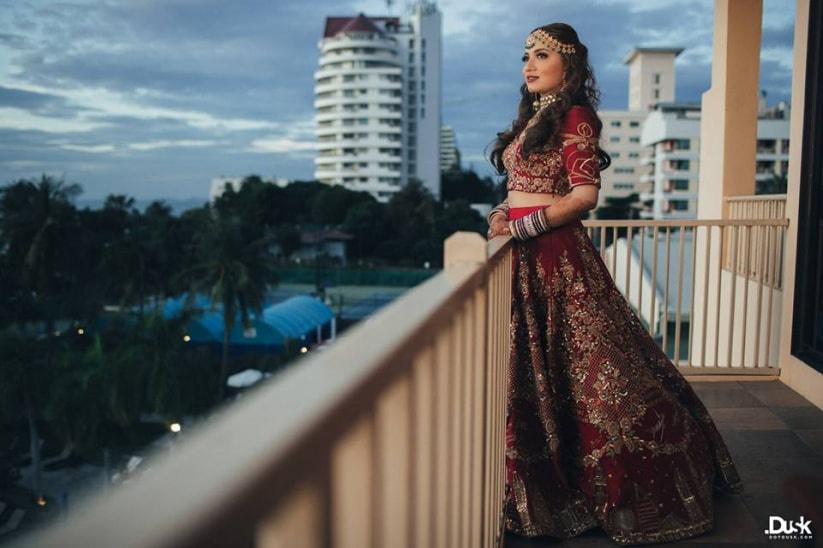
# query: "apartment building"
(378, 101)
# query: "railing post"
(463, 247)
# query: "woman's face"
(542, 69)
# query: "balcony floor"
(773, 433)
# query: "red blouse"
(557, 170)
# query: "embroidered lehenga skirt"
(602, 429)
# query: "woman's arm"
(500, 209)
(580, 135)
(569, 207)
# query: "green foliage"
(60, 266)
(234, 268)
(777, 184)
(467, 185)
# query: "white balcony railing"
(392, 436)
(695, 294)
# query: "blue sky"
(153, 98)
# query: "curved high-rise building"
(377, 102)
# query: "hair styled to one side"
(581, 89)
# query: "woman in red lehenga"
(602, 429)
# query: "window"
(615, 123)
(680, 205)
(634, 155)
(656, 93)
(766, 146)
(634, 123)
(634, 139)
(679, 184)
(682, 144)
(614, 139)
(624, 170)
(656, 77)
(614, 154)
(422, 112)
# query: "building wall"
(651, 80)
(377, 99)
(798, 375)
(620, 137)
(672, 168)
(358, 100)
(426, 21)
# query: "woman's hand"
(499, 227)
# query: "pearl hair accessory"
(549, 41)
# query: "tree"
(467, 185)
(331, 204)
(235, 270)
(40, 242)
(365, 220)
(618, 208)
(26, 370)
(777, 184)
(40, 233)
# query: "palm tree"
(25, 374)
(38, 227)
(235, 270)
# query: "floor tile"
(775, 394)
(812, 438)
(747, 418)
(726, 395)
(800, 418)
(765, 444)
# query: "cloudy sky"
(153, 98)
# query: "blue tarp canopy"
(293, 318)
(297, 316)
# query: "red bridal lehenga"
(602, 429)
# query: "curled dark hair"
(581, 89)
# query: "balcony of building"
(394, 435)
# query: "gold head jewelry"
(548, 41)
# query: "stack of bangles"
(531, 225)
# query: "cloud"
(145, 91)
(183, 143)
(280, 145)
(91, 149)
(20, 119)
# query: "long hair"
(581, 89)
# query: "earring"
(536, 101)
